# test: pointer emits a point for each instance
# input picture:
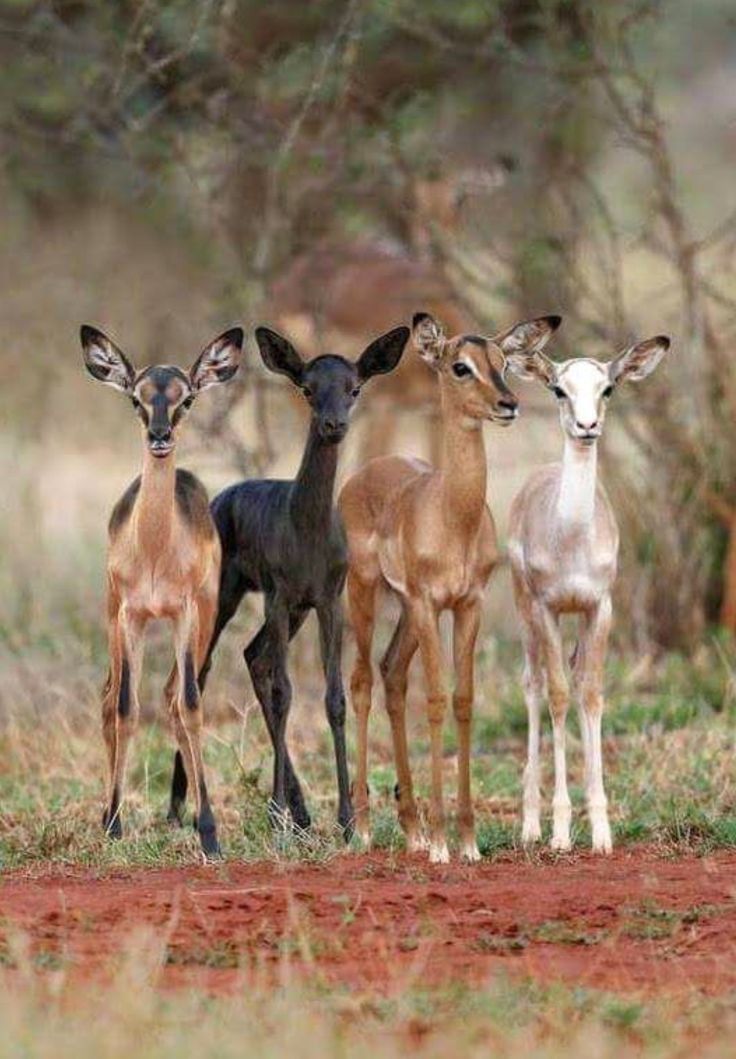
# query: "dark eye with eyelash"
(307, 392)
(460, 370)
(607, 392)
(559, 393)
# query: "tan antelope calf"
(426, 533)
(163, 562)
(563, 546)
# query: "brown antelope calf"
(427, 534)
(163, 562)
(563, 546)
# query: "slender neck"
(154, 509)
(314, 485)
(576, 498)
(463, 468)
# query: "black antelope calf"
(426, 534)
(286, 540)
(563, 546)
(163, 562)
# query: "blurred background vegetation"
(332, 166)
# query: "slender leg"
(591, 713)
(546, 626)
(266, 660)
(254, 655)
(467, 624)
(395, 670)
(425, 621)
(362, 604)
(330, 628)
(231, 591)
(188, 725)
(121, 708)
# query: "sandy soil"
(638, 921)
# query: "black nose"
(333, 424)
(509, 404)
(586, 426)
(159, 433)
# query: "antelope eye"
(607, 392)
(460, 370)
(559, 393)
(355, 392)
(306, 391)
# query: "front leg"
(593, 647)
(186, 708)
(330, 619)
(467, 624)
(546, 626)
(426, 625)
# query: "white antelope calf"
(563, 546)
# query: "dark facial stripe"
(498, 382)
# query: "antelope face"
(162, 394)
(472, 367)
(583, 386)
(331, 384)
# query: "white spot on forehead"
(582, 373)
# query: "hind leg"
(226, 602)
(395, 671)
(362, 604)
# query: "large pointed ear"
(279, 355)
(428, 338)
(638, 361)
(104, 361)
(522, 346)
(218, 361)
(383, 354)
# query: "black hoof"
(113, 828)
(301, 818)
(175, 815)
(210, 845)
(397, 791)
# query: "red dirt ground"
(638, 921)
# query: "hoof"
(470, 853)
(417, 843)
(348, 829)
(561, 843)
(531, 832)
(210, 846)
(439, 853)
(113, 828)
(175, 816)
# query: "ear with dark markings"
(638, 361)
(279, 355)
(104, 361)
(522, 346)
(383, 354)
(218, 361)
(428, 338)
